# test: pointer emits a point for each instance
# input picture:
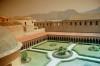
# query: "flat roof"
(74, 34)
(36, 35)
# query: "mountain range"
(94, 11)
(63, 15)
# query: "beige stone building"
(66, 30)
(77, 26)
(33, 32)
(20, 26)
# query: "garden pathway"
(54, 61)
(89, 58)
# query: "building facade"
(77, 26)
(32, 33)
(68, 30)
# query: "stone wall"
(84, 26)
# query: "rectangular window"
(80, 23)
(70, 23)
(75, 23)
(96, 23)
(85, 23)
(90, 22)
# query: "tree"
(61, 51)
(24, 56)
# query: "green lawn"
(51, 45)
(37, 59)
(83, 50)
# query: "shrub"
(93, 48)
(24, 56)
(61, 51)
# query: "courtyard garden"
(61, 53)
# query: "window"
(90, 22)
(80, 23)
(47, 24)
(25, 23)
(85, 23)
(6, 19)
(70, 23)
(75, 23)
(96, 23)
(32, 21)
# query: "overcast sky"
(26, 7)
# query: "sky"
(27, 7)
